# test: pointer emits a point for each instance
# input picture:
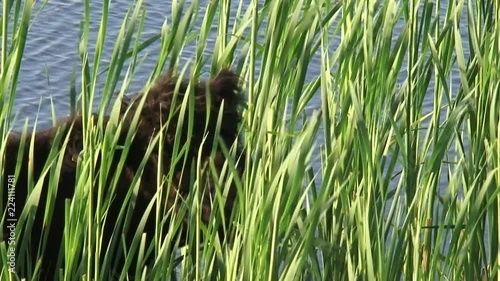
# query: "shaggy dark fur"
(222, 93)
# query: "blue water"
(51, 55)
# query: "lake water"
(51, 55)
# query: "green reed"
(403, 191)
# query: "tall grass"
(403, 191)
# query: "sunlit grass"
(404, 191)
